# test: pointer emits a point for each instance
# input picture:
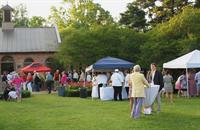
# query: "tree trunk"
(172, 7)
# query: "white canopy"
(190, 60)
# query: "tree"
(36, 21)
(160, 11)
(59, 17)
(197, 3)
(1, 17)
(20, 16)
(81, 13)
(86, 13)
(85, 46)
(171, 39)
(134, 17)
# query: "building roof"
(7, 7)
(29, 40)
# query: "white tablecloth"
(151, 94)
(95, 92)
(107, 93)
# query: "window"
(28, 61)
(7, 64)
(49, 62)
(7, 59)
(7, 16)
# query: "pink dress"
(17, 82)
(178, 84)
(63, 80)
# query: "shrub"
(26, 94)
(74, 91)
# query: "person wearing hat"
(117, 83)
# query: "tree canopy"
(173, 38)
(80, 13)
(134, 17)
(88, 45)
(21, 19)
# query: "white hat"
(116, 70)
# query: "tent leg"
(187, 82)
(92, 82)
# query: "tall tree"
(159, 11)
(85, 46)
(173, 38)
(134, 17)
(59, 16)
(36, 21)
(81, 13)
(1, 17)
(20, 16)
(197, 3)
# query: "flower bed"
(74, 91)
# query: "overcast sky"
(42, 7)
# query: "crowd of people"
(188, 85)
(13, 83)
(135, 83)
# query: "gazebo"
(109, 64)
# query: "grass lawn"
(50, 112)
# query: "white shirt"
(197, 77)
(152, 75)
(101, 79)
(12, 94)
(9, 77)
(75, 75)
(122, 74)
(88, 78)
(82, 77)
(94, 81)
(127, 80)
(117, 79)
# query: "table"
(151, 93)
(95, 92)
(107, 93)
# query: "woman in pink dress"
(17, 81)
(63, 80)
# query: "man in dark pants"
(157, 79)
(49, 81)
(117, 83)
(102, 79)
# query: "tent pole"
(92, 82)
(84, 79)
(187, 82)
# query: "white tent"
(190, 60)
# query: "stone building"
(21, 46)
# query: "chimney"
(7, 24)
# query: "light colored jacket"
(138, 83)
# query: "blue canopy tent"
(109, 64)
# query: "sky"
(42, 7)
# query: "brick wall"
(20, 57)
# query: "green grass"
(50, 112)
